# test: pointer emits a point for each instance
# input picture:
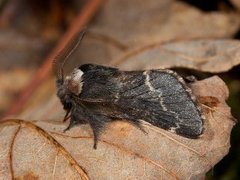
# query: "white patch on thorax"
(74, 81)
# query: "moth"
(98, 95)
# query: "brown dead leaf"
(204, 55)
(27, 150)
(124, 152)
(136, 23)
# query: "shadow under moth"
(98, 95)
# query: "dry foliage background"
(199, 38)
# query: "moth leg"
(73, 122)
(96, 134)
(81, 115)
(67, 115)
(97, 123)
(77, 117)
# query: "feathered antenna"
(60, 59)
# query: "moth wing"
(157, 96)
(162, 98)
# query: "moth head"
(72, 84)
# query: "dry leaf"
(204, 55)
(124, 152)
(28, 151)
(135, 23)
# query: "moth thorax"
(74, 81)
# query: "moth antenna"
(65, 53)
